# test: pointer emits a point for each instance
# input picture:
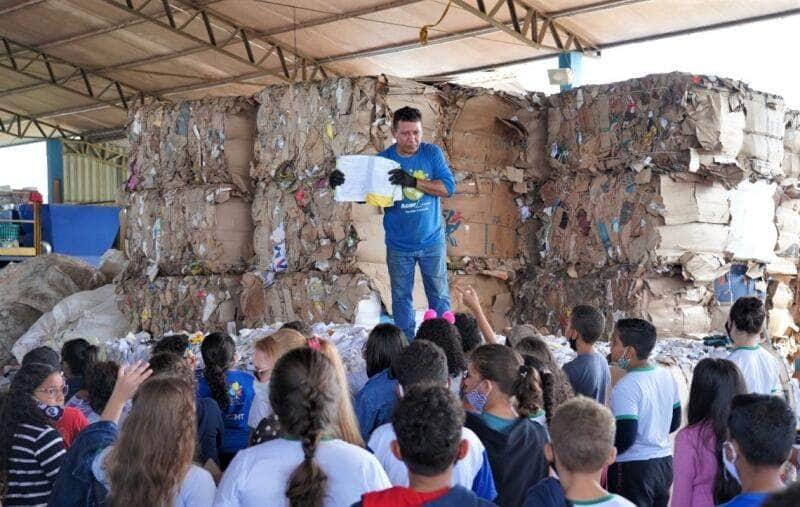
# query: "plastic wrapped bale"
(175, 303)
(208, 141)
(311, 296)
(668, 121)
(33, 287)
(195, 230)
(88, 314)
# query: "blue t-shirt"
(415, 223)
(589, 375)
(747, 500)
(240, 390)
(375, 402)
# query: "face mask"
(53, 412)
(573, 344)
(476, 398)
(623, 362)
(730, 466)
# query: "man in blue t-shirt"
(414, 226)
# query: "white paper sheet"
(366, 179)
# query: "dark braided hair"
(218, 351)
(513, 377)
(547, 382)
(18, 406)
(304, 393)
(538, 348)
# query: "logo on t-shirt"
(412, 194)
(236, 392)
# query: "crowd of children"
(452, 419)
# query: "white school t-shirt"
(258, 476)
(648, 394)
(759, 368)
(607, 501)
(197, 488)
(464, 471)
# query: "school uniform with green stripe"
(759, 368)
(610, 500)
(649, 395)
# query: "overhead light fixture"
(559, 77)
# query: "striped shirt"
(33, 463)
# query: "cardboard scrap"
(311, 296)
(686, 202)
(174, 303)
(192, 231)
(481, 221)
(662, 121)
(201, 142)
(752, 231)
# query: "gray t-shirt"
(589, 375)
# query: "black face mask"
(573, 344)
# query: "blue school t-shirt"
(241, 393)
(747, 500)
(589, 375)
(415, 223)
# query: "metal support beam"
(221, 32)
(49, 70)
(534, 34)
(97, 31)
(25, 127)
(624, 42)
(55, 170)
(18, 7)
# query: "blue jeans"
(433, 265)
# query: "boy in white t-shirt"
(424, 363)
(646, 405)
(582, 444)
(759, 368)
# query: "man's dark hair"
(299, 326)
(468, 329)
(588, 322)
(384, 343)
(428, 422)
(44, 355)
(764, 428)
(748, 314)
(100, 380)
(445, 335)
(422, 362)
(175, 343)
(639, 334)
(405, 114)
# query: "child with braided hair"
(505, 393)
(307, 466)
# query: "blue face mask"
(53, 412)
(623, 362)
(477, 399)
